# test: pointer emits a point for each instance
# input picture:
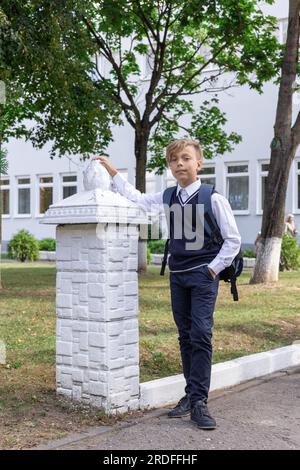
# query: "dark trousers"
(193, 298)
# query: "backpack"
(232, 272)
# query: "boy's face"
(185, 165)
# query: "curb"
(98, 431)
(166, 391)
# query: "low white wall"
(167, 391)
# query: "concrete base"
(169, 390)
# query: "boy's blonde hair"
(179, 144)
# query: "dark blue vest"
(181, 258)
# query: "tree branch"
(108, 54)
(180, 90)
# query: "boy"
(194, 276)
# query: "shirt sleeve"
(151, 202)
(229, 231)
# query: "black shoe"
(183, 408)
(200, 415)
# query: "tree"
(75, 104)
(283, 148)
(13, 107)
(3, 170)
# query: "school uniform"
(193, 289)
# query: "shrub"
(47, 244)
(157, 246)
(149, 258)
(23, 246)
(249, 254)
(290, 253)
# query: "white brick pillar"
(97, 346)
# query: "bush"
(290, 253)
(249, 254)
(149, 258)
(47, 244)
(23, 246)
(157, 246)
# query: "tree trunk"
(1, 287)
(140, 148)
(284, 146)
(269, 246)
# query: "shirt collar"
(191, 188)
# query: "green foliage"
(149, 258)
(3, 162)
(249, 254)
(290, 253)
(47, 244)
(23, 246)
(156, 246)
(50, 51)
(206, 126)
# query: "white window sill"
(241, 212)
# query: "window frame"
(231, 175)
(7, 187)
(67, 183)
(22, 186)
(296, 175)
(203, 178)
(44, 185)
(260, 174)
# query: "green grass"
(266, 317)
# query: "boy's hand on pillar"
(105, 162)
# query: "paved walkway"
(261, 414)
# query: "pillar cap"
(96, 204)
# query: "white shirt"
(220, 208)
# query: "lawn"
(266, 317)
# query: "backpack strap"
(167, 196)
(234, 289)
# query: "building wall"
(250, 114)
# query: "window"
(4, 196)
(148, 65)
(298, 184)
(237, 187)
(23, 195)
(169, 180)
(282, 30)
(150, 183)
(264, 169)
(69, 183)
(104, 66)
(45, 193)
(207, 175)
